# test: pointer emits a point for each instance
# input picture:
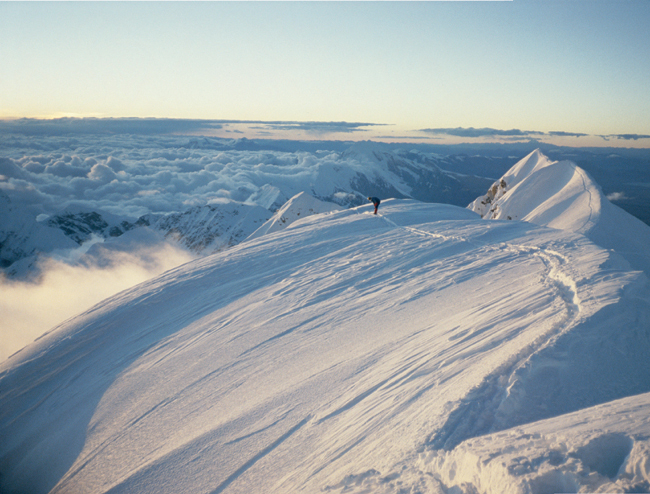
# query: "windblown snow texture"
(421, 350)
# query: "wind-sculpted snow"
(596, 449)
(348, 353)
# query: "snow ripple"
(480, 412)
(248, 464)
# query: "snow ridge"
(478, 413)
(559, 194)
(348, 353)
(300, 205)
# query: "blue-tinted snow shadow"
(50, 391)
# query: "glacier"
(424, 349)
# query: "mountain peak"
(368, 151)
(559, 194)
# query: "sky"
(569, 72)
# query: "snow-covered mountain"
(405, 174)
(211, 228)
(419, 350)
(269, 197)
(80, 225)
(559, 194)
(299, 206)
(22, 238)
(201, 229)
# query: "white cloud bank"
(64, 290)
(135, 175)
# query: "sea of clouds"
(135, 175)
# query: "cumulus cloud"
(62, 169)
(102, 173)
(10, 169)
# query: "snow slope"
(597, 449)
(348, 353)
(560, 194)
(300, 205)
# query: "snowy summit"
(420, 350)
(561, 195)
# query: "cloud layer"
(75, 127)
(484, 132)
(136, 174)
(163, 126)
(30, 309)
(487, 132)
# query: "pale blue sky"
(576, 66)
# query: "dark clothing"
(375, 201)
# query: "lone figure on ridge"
(375, 201)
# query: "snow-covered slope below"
(559, 194)
(348, 353)
(299, 206)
